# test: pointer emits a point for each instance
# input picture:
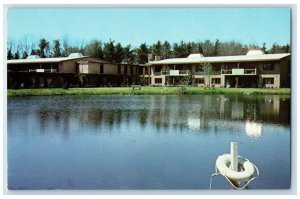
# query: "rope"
(214, 174)
(238, 188)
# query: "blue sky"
(136, 25)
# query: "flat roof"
(43, 60)
(236, 58)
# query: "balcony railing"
(203, 73)
(175, 72)
(238, 71)
(42, 70)
(157, 73)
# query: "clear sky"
(136, 25)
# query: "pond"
(144, 142)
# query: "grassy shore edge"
(143, 91)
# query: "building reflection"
(194, 123)
(253, 129)
(196, 113)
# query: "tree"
(142, 54)
(156, 49)
(118, 55)
(25, 55)
(17, 55)
(166, 50)
(184, 82)
(38, 52)
(188, 48)
(9, 55)
(287, 48)
(56, 49)
(280, 49)
(217, 48)
(33, 52)
(232, 48)
(179, 50)
(128, 56)
(200, 49)
(264, 47)
(44, 47)
(24, 46)
(207, 70)
(253, 47)
(208, 48)
(94, 49)
(66, 47)
(109, 51)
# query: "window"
(158, 80)
(157, 68)
(101, 68)
(125, 70)
(268, 80)
(119, 69)
(216, 80)
(268, 66)
(199, 80)
(131, 70)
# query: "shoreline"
(147, 90)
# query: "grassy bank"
(143, 91)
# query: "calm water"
(144, 142)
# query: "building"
(74, 70)
(255, 69)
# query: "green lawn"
(144, 91)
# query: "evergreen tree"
(17, 55)
(33, 52)
(38, 52)
(264, 47)
(118, 56)
(142, 54)
(217, 48)
(188, 48)
(200, 49)
(56, 49)
(179, 50)
(25, 55)
(166, 50)
(156, 49)
(287, 48)
(44, 47)
(128, 56)
(109, 51)
(9, 55)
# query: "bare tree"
(207, 70)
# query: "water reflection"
(194, 123)
(162, 112)
(253, 129)
(143, 142)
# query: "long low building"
(255, 69)
(74, 70)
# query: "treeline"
(114, 52)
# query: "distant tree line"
(114, 52)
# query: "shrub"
(66, 85)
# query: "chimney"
(150, 57)
(157, 58)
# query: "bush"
(66, 85)
(182, 90)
